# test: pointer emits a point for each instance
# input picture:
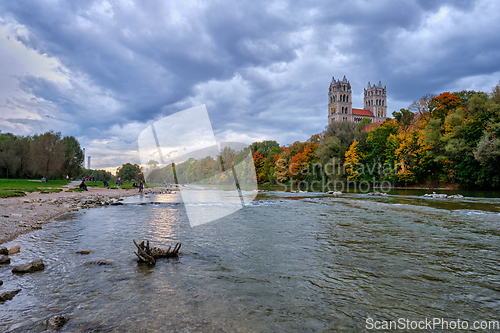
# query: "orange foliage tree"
(440, 106)
(259, 162)
(300, 164)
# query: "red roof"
(362, 112)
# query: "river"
(284, 263)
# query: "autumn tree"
(301, 163)
(259, 162)
(440, 106)
(352, 164)
(421, 106)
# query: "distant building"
(340, 103)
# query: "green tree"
(47, 151)
(73, 156)
(264, 147)
(405, 118)
(495, 94)
(362, 124)
(129, 171)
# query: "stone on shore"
(57, 322)
(33, 266)
(14, 249)
(4, 260)
(4, 250)
(83, 252)
(8, 295)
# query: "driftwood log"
(149, 255)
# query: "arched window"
(382, 103)
(347, 99)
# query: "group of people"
(83, 185)
(140, 186)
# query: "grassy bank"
(19, 187)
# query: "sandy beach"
(19, 215)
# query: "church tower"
(375, 100)
(340, 101)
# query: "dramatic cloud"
(103, 70)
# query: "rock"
(4, 250)
(33, 266)
(8, 295)
(377, 194)
(435, 195)
(83, 252)
(336, 193)
(107, 262)
(14, 249)
(1, 282)
(4, 260)
(57, 322)
(116, 204)
(456, 196)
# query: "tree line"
(41, 155)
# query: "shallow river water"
(284, 263)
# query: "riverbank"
(19, 215)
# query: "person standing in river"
(141, 187)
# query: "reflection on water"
(286, 262)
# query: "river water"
(284, 263)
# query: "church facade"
(340, 103)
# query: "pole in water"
(237, 186)
(157, 143)
(175, 174)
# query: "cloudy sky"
(102, 71)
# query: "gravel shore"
(19, 215)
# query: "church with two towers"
(340, 103)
